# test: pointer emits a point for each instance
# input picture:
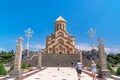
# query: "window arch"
(60, 33)
(63, 26)
(57, 26)
(60, 26)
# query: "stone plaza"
(51, 73)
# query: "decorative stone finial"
(20, 40)
(100, 40)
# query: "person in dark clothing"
(72, 64)
(58, 65)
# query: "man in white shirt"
(79, 69)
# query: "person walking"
(72, 64)
(58, 65)
(93, 69)
(79, 67)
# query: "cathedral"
(60, 47)
(60, 42)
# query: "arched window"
(56, 49)
(60, 33)
(63, 26)
(60, 26)
(50, 50)
(60, 47)
(57, 26)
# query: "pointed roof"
(60, 18)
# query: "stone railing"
(115, 77)
(112, 76)
(34, 56)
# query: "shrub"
(24, 66)
(98, 66)
(110, 68)
(118, 71)
(29, 65)
(2, 70)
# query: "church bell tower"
(60, 24)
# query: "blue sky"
(81, 15)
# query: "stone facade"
(60, 42)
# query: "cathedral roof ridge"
(60, 18)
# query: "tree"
(98, 66)
(29, 65)
(24, 66)
(118, 71)
(2, 70)
(114, 59)
(110, 68)
(12, 52)
(6, 57)
(2, 52)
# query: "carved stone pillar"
(16, 72)
(103, 62)
(40, 60)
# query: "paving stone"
(37, 78)
(54, 75)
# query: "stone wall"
(87, 62)
(33, 61)
(51, 60)
(88, 55)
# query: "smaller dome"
(60, 18)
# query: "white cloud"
(2, 49)
(84, 46)
(87, 47)
(113, 50)
(36, 47)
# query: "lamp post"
(91, 34)
(28, 34)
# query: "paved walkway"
(53, 74)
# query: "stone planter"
(24, 70)
(30, 69)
